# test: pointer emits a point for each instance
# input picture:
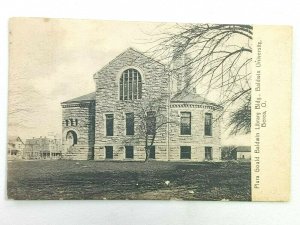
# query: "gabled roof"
(84, 98)
(189, 97)
(144, 55)
(130, 49)
(12, 139)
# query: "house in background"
(42, 148)
(15, 147)
(236, 152)
(107, 124)
(243, 152)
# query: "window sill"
(185, 135)
(208, 136)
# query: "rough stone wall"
(154, 86)
(138, 150)
(85, 130)
(91, 129)
(197, 140)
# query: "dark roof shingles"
(191, 97)
(243, 149)
(88, 97)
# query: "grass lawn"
(129, 180)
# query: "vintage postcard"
(140, 110)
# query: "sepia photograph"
(129, 110)
(149, 112)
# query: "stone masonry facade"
(85, 119)
(79, 119)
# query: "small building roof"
(237, 148)
(189, 97)
(12, 139)
(243, 149)
(83, 98)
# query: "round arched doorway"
(71, 138)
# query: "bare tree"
(218, 58)
(229, 152)
(152, 116)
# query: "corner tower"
(78, 127)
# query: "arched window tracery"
(130, 85)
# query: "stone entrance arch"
(71, 138)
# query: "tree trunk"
(147, 154)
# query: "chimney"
(181, 71)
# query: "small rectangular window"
(208, 124)
(109, 124)
(129, 152)
(109, 152)
(152, 152)
(129, 123)
(208, 153)
(185, 123)
(151, 123)
(185, 152)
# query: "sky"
(53, 60)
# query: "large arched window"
(130, 85)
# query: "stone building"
(133, 91)
(15, 147)
(43, 148)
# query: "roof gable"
(12, 139)
(130, 52)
